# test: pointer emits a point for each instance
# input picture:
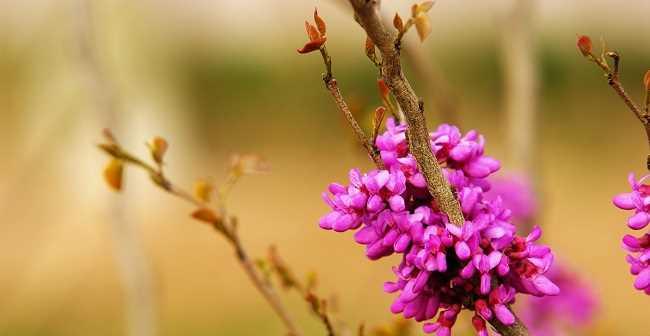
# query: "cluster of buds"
(444, 268)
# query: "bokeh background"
(221, 77)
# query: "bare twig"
(367, 13)
(317, 305)
(613, 79)
(332, 86)
(222, 223)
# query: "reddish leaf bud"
(584, 44)
(398, 23)
(646, 80)
(316, 39)
(320, 23)
(312, 32)
(312, 46)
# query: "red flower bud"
(584, 44)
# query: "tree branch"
(223, 224)
(332, 86)
(613, 79)
(368, 16)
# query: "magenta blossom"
(637, 201)
(444, 268)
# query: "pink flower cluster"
(638, 247)
(444, 268)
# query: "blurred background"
(223, 76)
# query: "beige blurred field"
(222, 77)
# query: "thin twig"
(367, 13)
(614, 80)
(317, 305)
(332, 86)
(224, 224)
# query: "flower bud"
(584, 44)
(646, 80)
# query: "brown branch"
(332, 86)
(225, 225)
(613, 79)
(317, 305)
(368, 16)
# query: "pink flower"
(444, 268)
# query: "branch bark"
(368, 16)
(267, 291)
(332, 87)
(614, 80)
